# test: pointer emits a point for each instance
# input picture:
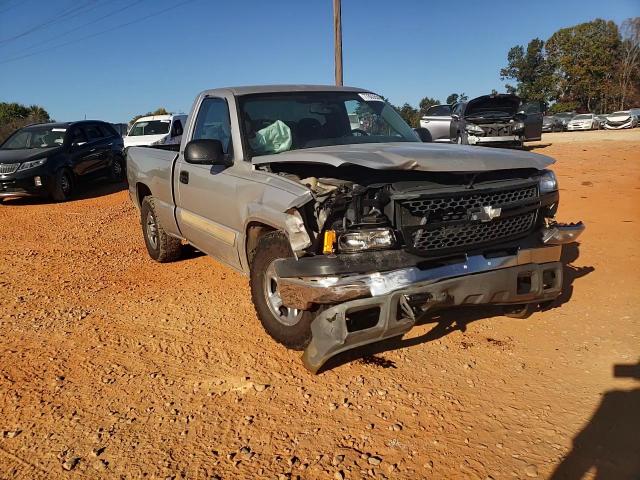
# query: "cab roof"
(251, 89)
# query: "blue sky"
(404, 50)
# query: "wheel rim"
(65, 183)
(152, 230)
(285, 315)
(117, 169)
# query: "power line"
(80, 27)
(160, 12)
(12, 6)
(66, 14)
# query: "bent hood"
(26, 154)
(620, 117)
(505, 103)
(429, 157)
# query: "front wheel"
(62, 185)
(117, 170)
(289, 326)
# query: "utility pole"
(337, 40)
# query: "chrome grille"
(8, 168)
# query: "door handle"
(184, 177)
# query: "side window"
(93, 133)
(176, 129)
(107, 131)
(213, 122)
(78, 137)
(457, 108)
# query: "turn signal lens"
(329, 241)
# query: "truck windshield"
(278, 122)
(150, 127)
(35, 137)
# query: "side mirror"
(424, 134)
(455, 116)
(205, 152)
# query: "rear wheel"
(116, 170)
(62, 186)
(289, 326)
(161, 246)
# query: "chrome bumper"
(302, 293)
(473, 140)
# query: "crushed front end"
(388, 252)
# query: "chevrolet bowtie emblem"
(485, 214)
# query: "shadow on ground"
(609, 444)
(455, 319)
(92, 189)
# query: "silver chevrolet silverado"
(348, 226)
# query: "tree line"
(589, 67)
(16, 115)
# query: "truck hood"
(504, 103)
(142, 140)
(429, 157)
(26, 154)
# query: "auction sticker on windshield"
(371, 97)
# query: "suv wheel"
(116, 170)
(63, 185)
(161, 246)
(288, 326)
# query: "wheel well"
(254, 232)
(142, 191)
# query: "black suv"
(50, 159)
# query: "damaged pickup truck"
(348, 232)
(496, 120)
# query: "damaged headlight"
(474, 129)
(362, 240)
(548, 182)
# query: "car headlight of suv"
(31, 164)
(363, 240)
(518, 126)
(548, 182)
(474, 129)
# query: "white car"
(622, 119)
(156, 130)
(584, 121)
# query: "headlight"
(474, 129)
(360, 241)
(32, 164)
(518, 126)
(548, 182)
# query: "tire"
(519, 311)
(117, 172)
(62, 186)
(290, 327)
(162, 247)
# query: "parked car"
(348, 234)
(156, 130)
(499, 119)
(602, 119)
(121, 128)
(552, 123)
(51, 159)
(437, 121)
(565, 118)
(583, 121)
(620, 120)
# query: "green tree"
(15, 115)
(410, 114)
(427, 102)
(582, 59)
(456, 97)
(531, 70)
(157, 111)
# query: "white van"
(156, 130)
